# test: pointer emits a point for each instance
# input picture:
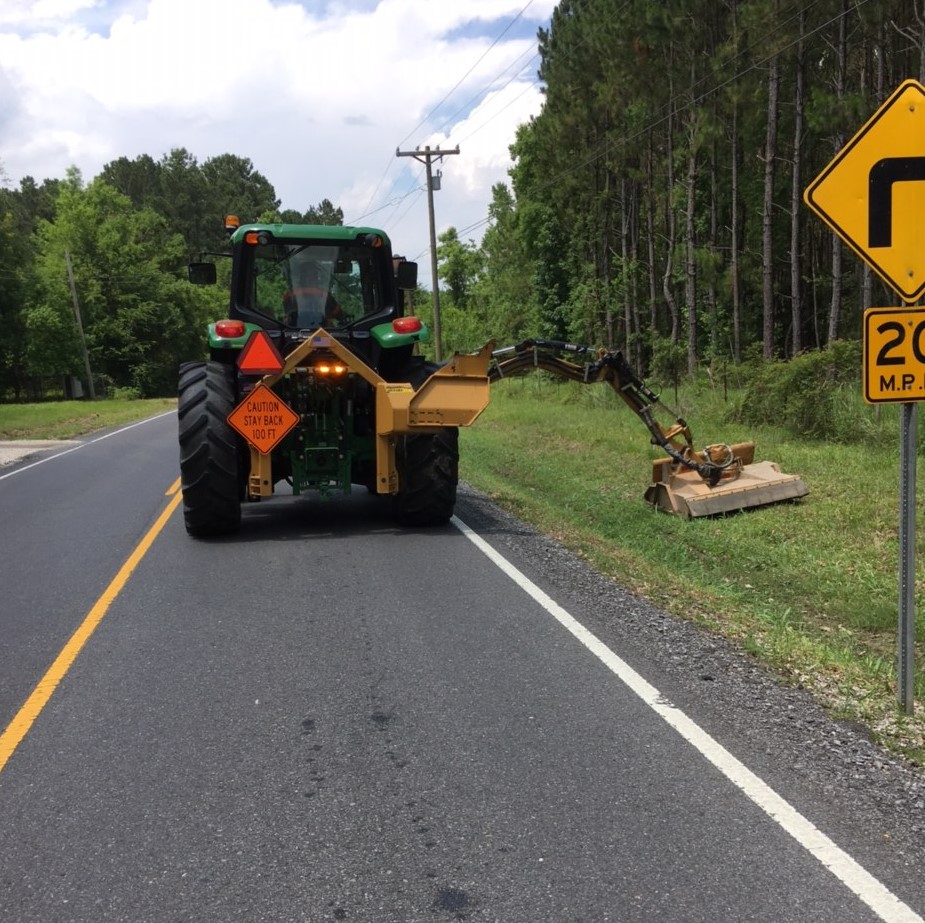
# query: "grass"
(67, 419)
(809, 588)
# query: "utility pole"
(80, 326)
(425, 157)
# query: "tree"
(13, 292)
(458, 266)
(234, 187)
(543, 232)
(767, 211)
(194, 199)
(139, 319)
(503, 292)
(139, 179)
(612, 177)
(324, 213)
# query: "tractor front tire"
(210, 467)
(428, 471)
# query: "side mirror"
(406, 275)
(202, 273)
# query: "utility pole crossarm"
(427, 156)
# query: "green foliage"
(139, 315)
(128, 235)
(463, 331)
(51, 342)
(668, 363)
(459, 266)
(323, 213)
(503, 292)
(816, 394)
(591, 241)
(14, 287)
(194, 197)
(637, 92)
(126, 394)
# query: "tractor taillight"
(230, 329)
(407, 324)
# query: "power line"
(397, 221)
(506, 106)
(485, 90)
(390, 204)
(430, 114)
(607, 146)
(504, 31)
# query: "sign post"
(905, 642)
(894, 371)
(872, 195)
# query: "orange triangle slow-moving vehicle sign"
(260, 355)
(263, 419)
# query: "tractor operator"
(310, 303)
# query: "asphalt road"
(330, 718)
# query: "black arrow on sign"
(883, 174)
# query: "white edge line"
(847, 870)
(82, 445)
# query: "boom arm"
(612, 368)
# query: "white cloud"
(36, 13)
(317, 95)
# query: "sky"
(318, 94)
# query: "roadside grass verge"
(67, 419)
(809, 588)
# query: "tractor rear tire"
(210, 458)
(428, 471)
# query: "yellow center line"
(25, 717)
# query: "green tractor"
(315, 379)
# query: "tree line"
(113, 254)
(656, 200)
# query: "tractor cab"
(302, 277)
(292, 280)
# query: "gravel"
(12, 452)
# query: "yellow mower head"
(742, 484)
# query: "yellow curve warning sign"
(873, 193)
(263, 419)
